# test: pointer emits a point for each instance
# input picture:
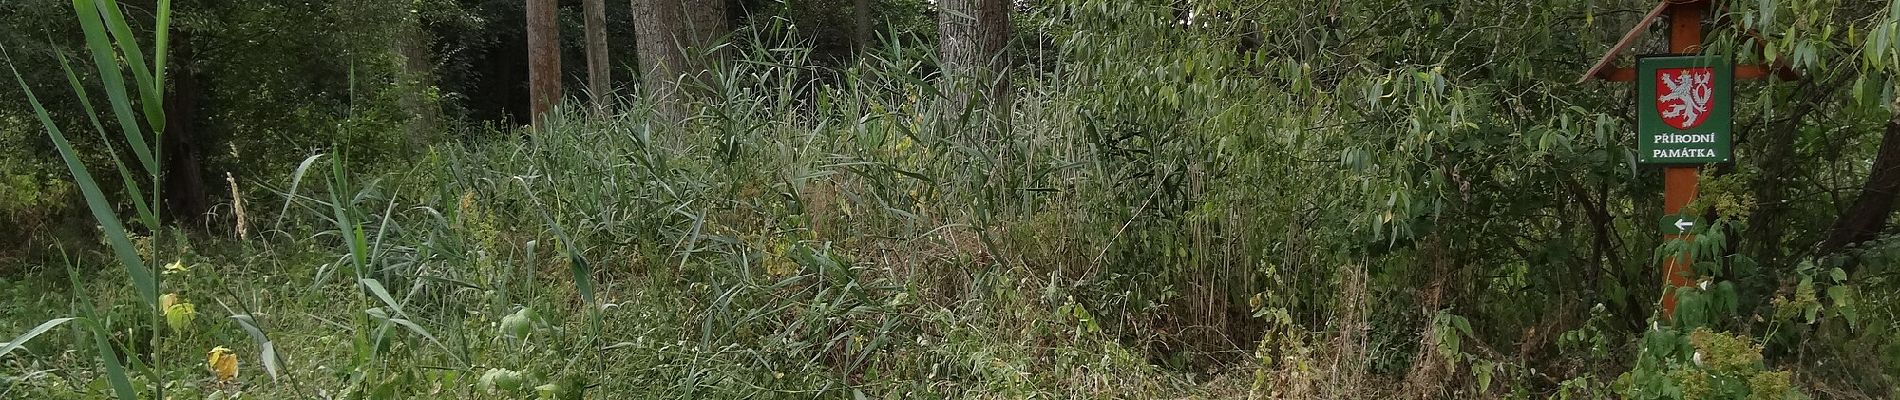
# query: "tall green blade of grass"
(107, 62)
(20, 341)
(161, 40)
(115, 371)
(142, 278)
(93, 20)
(151, 102)
(146, 213)
(150, 89)
(342, 208)
(577, 264)
(290, 195)
(267, 349)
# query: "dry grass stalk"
(237, 208)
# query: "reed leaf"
(267, 349)
(151, 93)
(161, 41)
(296, 178)
(115, 371)
(20, 341)
(147, 214)
(106, 60)
(577, 264)
(142, 278)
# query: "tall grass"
(809, 231)
(96, 19)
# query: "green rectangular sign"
(1684, 110)
(1680, 224)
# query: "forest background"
(925, 199)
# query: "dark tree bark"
(1869, 214)
(861, 14)
(674, 38)
(972, 37)
(185, 194)
(544, 59)
(599, 76)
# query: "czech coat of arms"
(1683, 95)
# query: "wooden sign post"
(1679, 182)
(1684, 116)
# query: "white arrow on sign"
(1683, 224)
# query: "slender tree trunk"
(957, 45)
(599, 76)
(707, 24)
(973, 35)
(186, 196)
(861, 14)
(674, 38)
(1868, 217)
(544, 60)
(1602, 226)
(418, 77)
(1766, 227)
(657, 27)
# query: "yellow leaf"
(176, 267)
(223, 364)
(179, 316)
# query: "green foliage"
(95, 19)
(1703, 364)
(1192, 198)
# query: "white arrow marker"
(1684, 224)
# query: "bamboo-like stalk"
(109, 39)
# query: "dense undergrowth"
(1282, 222)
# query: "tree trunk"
(1766, 227)
(599, 76)
(544, 60)
(418, 76)
(1868, 217)
(657, 28)
(861, 14)
(973, 35)
(186, 197)
(669, 34)
(707, 19)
